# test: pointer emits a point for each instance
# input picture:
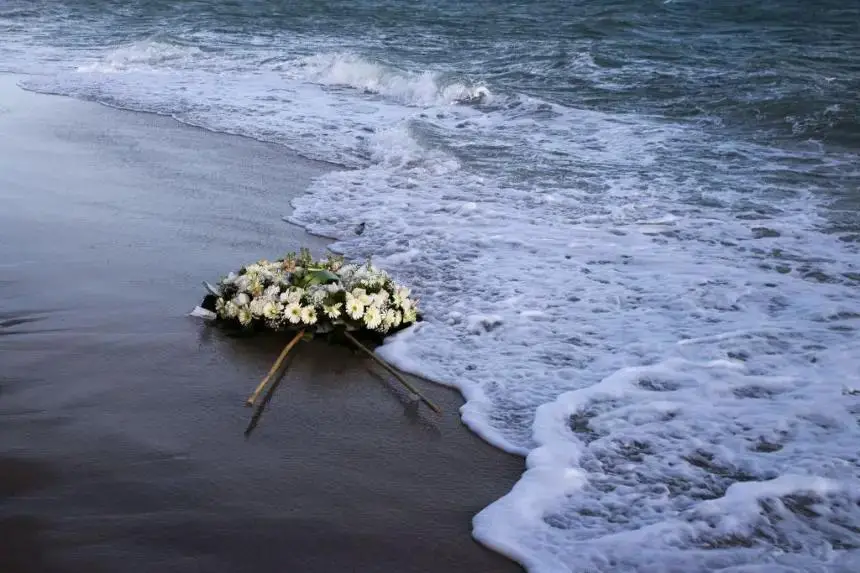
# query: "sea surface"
(633, 226)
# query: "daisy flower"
(244, 316)
(410, 316)
(293, 312)
(230, 309)
(372, 317)
(242, 299)
(309, 315)
(220, 307)
(272, 310)
(332, 310)
(392, 318)
(354, 308)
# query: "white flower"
(285, 297)
(351, 297)
(318, 295)
(244, 316)
(361, 295)
(293, 312)
(380, 298)
(332, 310)
(354, 308)
(243, 282)
(295, 295)
(333, 288)
(256, 287)
(309, 315)
(372, 317)
(242, 299)
(230, 278)
(377, 279)
(410, 316)
(220, 307)
(272, 310)
(256, 306)
(230, 309)
(346, 271)
(406, 304)
(392, 319)
(272, 292)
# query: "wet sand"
(122, 430)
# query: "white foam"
(148, 55)
(695, 364)
(351, 70)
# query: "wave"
(414, 89)
(145, 55)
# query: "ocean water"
(633, 226)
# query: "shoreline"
(123, 417)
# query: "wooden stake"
(275, 367)
(393, 372)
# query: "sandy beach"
(123, 430)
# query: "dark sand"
(121, 419)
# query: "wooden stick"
(253, 397)
(393, 372)
(263, 403)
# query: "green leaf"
(321, 277)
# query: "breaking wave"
(148, 55)
(413, 89)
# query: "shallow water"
(633, 226)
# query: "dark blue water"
(634, 227)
